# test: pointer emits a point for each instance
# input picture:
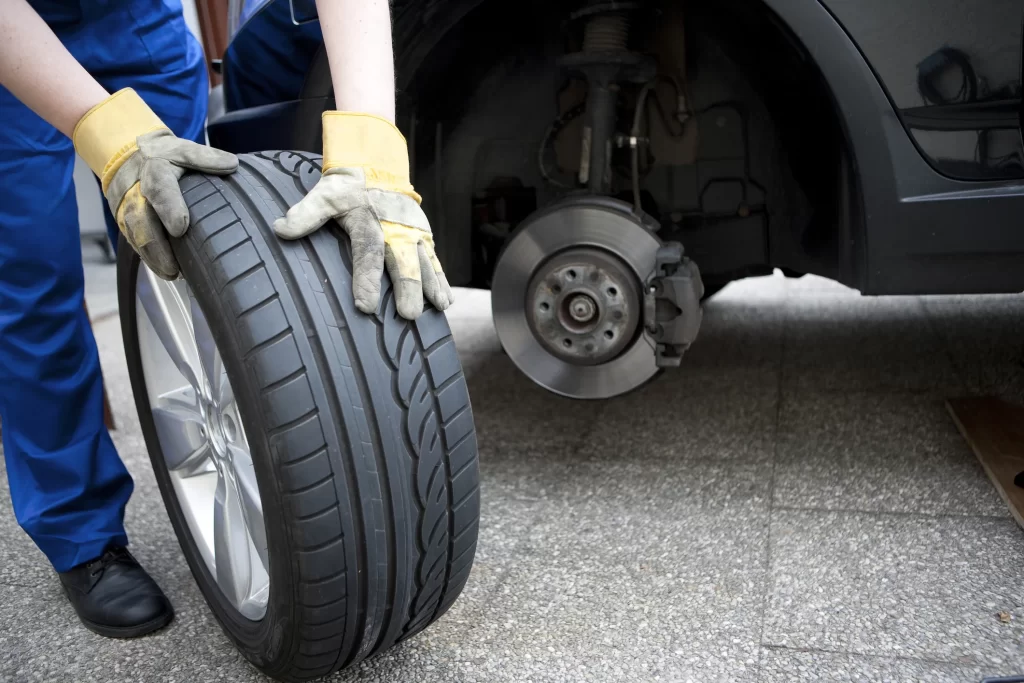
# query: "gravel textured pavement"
(793, 504)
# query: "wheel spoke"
(202, 442)
(226, 399)
(209, 356)
(231, 542)
(170, 319)
(179, 428)
(252, 506)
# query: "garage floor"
(793, 505)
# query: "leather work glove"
(365, 186)
(139, 162)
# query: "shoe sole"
(130, 631)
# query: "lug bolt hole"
(612, 291)
(567, 343)
(545, 306)
(571, 274)
(609, 334)
(230, 431)
(556, 288)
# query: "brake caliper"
(672, 311)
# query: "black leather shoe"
(115, 597)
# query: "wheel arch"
(879, 162)
(831, 103)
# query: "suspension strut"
(605, 62)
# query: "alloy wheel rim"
(203, 442)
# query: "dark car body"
(874, 142)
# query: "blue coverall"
(68, 485)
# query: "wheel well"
(483, 83)
(809, 129)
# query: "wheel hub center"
(582, 308)
(584, 305)
(220, 429)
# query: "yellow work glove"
(365, 187)
(139, 162)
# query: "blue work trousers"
(68, 485)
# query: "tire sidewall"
(266, 643)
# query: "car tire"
(360, 428)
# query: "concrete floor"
(794, 504)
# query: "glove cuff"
(107, 135)
(372, 143)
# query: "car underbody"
(603, 166)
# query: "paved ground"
(793, 505)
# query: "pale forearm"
(365, 187)
(357, 35)
(39, 70)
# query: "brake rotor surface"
(567, 298)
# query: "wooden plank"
(994, 429)
(108, 415)
(213, 27)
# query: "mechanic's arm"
(365, 185)
(357, 35)
(115, 134)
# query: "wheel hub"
(582, 308)
(220, 429)
(568, 302)
(584, 305)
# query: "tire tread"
(366, 417)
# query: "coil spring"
(607, 32)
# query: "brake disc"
(568, 298)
